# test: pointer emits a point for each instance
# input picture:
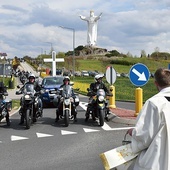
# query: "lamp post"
(72, 29)
(41, 58)
(51, 46)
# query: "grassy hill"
(124, 89)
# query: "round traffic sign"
(110, 75)
(139, 74)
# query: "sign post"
(139, 75)
(111, 78)
(54, 60)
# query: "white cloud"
(126, 25)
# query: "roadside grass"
(124, 89)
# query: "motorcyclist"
(2, 92)
(98, 84)
(37, 87)
(66, 81)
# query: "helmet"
(31, 76)
(66, 78)
(98, 76)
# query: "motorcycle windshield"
(101, 92)
(29, 89)
(67, 91)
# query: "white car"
(84, 73)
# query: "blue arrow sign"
(139, 74)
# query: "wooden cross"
(54, 60)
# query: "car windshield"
(52, 81)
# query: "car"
(92, 73)
(77, 73)
(48, 85)
(84, 73)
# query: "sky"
(32, 27)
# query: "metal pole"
(73, 52)
(51, 46)
(73, 46)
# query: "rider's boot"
(34, 119)
(87, 116)
(7, 120)
(57, 116)
(75, 116)
(21, 120)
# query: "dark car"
(49, 84)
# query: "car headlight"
(46, 90)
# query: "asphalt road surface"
(52, 146)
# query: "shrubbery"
(122, 62)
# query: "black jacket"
(95, 86)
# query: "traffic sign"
(110, 75)
(139, 74)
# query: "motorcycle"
(29, 104)
(67, 103)
(5, 107)
(97, 106)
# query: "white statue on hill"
(92, 28)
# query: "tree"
(143, 53)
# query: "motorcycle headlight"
(67, 101)
(27, 96)
(101, 98)
(71, 99)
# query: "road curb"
(114, 118)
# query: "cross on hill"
(53, 60)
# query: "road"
(50, 145)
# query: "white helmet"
(66, 78)
(98, 76)
(31, 75)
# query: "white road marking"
(65, 132)
(90, 130)
(83, 105)
(14, 138)
(42, 135)
(108, 128)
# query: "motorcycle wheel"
(28, 119)
(101, 117)
(66, 118)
